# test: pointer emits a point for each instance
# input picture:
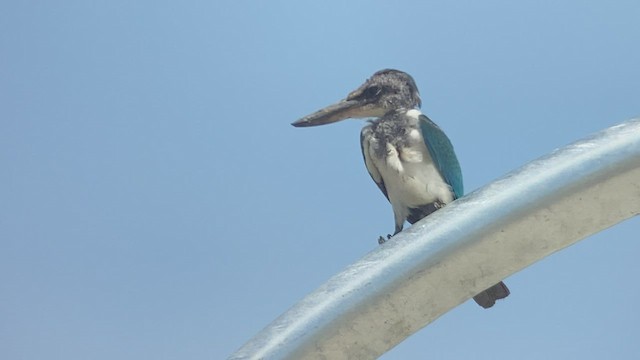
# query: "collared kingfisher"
(407, 155)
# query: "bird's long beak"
(345, 109)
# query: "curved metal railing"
(460, 250)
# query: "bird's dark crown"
(389, 89)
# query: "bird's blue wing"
(443, 155)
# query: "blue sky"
(155, 202)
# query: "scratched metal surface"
(445, 259)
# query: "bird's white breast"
(408, 171)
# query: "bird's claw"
(382, 240)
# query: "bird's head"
(384, 91)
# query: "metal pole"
(460, 250)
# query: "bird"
(408, 156)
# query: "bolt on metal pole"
(460, 250)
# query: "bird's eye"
(371, 92)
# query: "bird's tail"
(487, 298)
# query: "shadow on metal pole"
(460, 250)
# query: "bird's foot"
(382, 240)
